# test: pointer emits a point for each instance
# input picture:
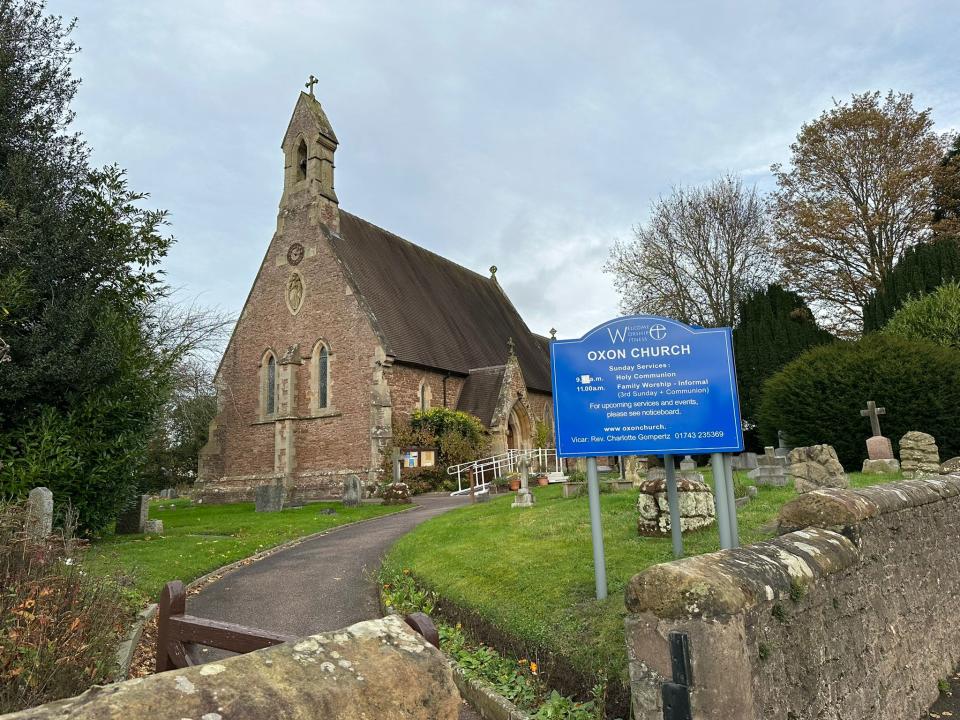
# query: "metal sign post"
(673, 500)
(720, 496)
(731, 501)
(596, 531)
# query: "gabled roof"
(433, 312)
(481, 392)
(313, 108)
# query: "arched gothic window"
(271, 389)
(424, 399)
(323, 378)
(302, 160)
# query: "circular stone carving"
(295, 254)
(295, 293)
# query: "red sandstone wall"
(329, 311)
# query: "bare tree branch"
(702, 249)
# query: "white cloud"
(523, 135)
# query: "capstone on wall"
(851, 614)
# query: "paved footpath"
(322, 584)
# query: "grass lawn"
(530, 572)
(201, 538)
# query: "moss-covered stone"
(828, 508)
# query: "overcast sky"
(529, 135)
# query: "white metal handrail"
(490, 469)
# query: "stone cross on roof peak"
(310, 83)
(873, 412)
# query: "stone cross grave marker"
(880, 457)
(873, 412)
(771, 469)
(524, 496)
(39, 512)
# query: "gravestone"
(169, 494)
(816, 467)
(697, 509)
(270, 497)
(919, 456)
(783, 449)
(745, 461)
(39, 512)
(352, 492)
(688, 463)
(524, 496)
(880, 457)
(133, 519)
(153, 527)
(397, 493)
(635, 469)
(951, 466)
(771, 469)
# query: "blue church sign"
(645, 385)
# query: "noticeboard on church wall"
(645, 385)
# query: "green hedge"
(934, 317)
(922, 269)
(817, 398)
(775, 326)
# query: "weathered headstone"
(635, 469)
(816, 467)
(133, 518)
(169, 494)
(688, 463)
(524, 496)
(270, 497)
(745, 461)
(771, 469)
(783, 448)
(919, 455)
(950, 467)
(352, 491)
(39, 512)
(697, 508)
(153, 527)
(397, 493)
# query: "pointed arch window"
(271, 386)
(424, 396)
(323, 378)
(302, 160)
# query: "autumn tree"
(946, 192)
(700, 252)
(857, 193)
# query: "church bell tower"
(308, 149)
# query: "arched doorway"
(519, 428)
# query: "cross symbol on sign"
(873, 412)
(658, 332)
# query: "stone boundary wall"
(375, 669)
(851, 613)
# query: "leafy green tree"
(89, 369)
(922, 269)
(775, 326)
(817, 398)
(934, 317)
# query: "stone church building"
(349, 327)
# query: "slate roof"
(481, 392)
(433, 312)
